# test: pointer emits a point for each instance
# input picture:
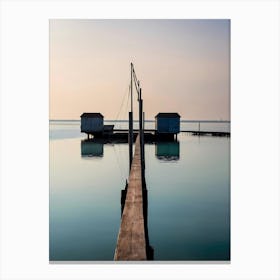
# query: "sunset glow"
(183, 66)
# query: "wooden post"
(141, 124)
(131, 86)
(143, 120)
(130, 134)
(140, 118)
(198, 126)
(130, 138)
(143, 137)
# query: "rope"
(127, 91)
(117, 116)
(127, 103)
(117, 151)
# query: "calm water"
(188, 186)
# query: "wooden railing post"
(130, 138)
(143, 138)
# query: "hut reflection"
(90, 148)
(168, 151)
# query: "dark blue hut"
(168, 123)
(92, 123)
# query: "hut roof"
(167, 115)
(91, 115)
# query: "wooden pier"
(152, 132)
(131, 243)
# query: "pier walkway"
(131, 243)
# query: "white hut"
(92, 123)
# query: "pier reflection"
(149, 248)
(168, 150)
(91, 148)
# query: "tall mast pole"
(131, 99)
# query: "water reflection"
(90, 148)
(168, 151)
(190, 221)
(164, 150)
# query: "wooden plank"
(131, 243)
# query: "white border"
(255, 138)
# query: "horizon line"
(149, 120)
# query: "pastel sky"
(183, 66)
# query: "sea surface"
(188, 185)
